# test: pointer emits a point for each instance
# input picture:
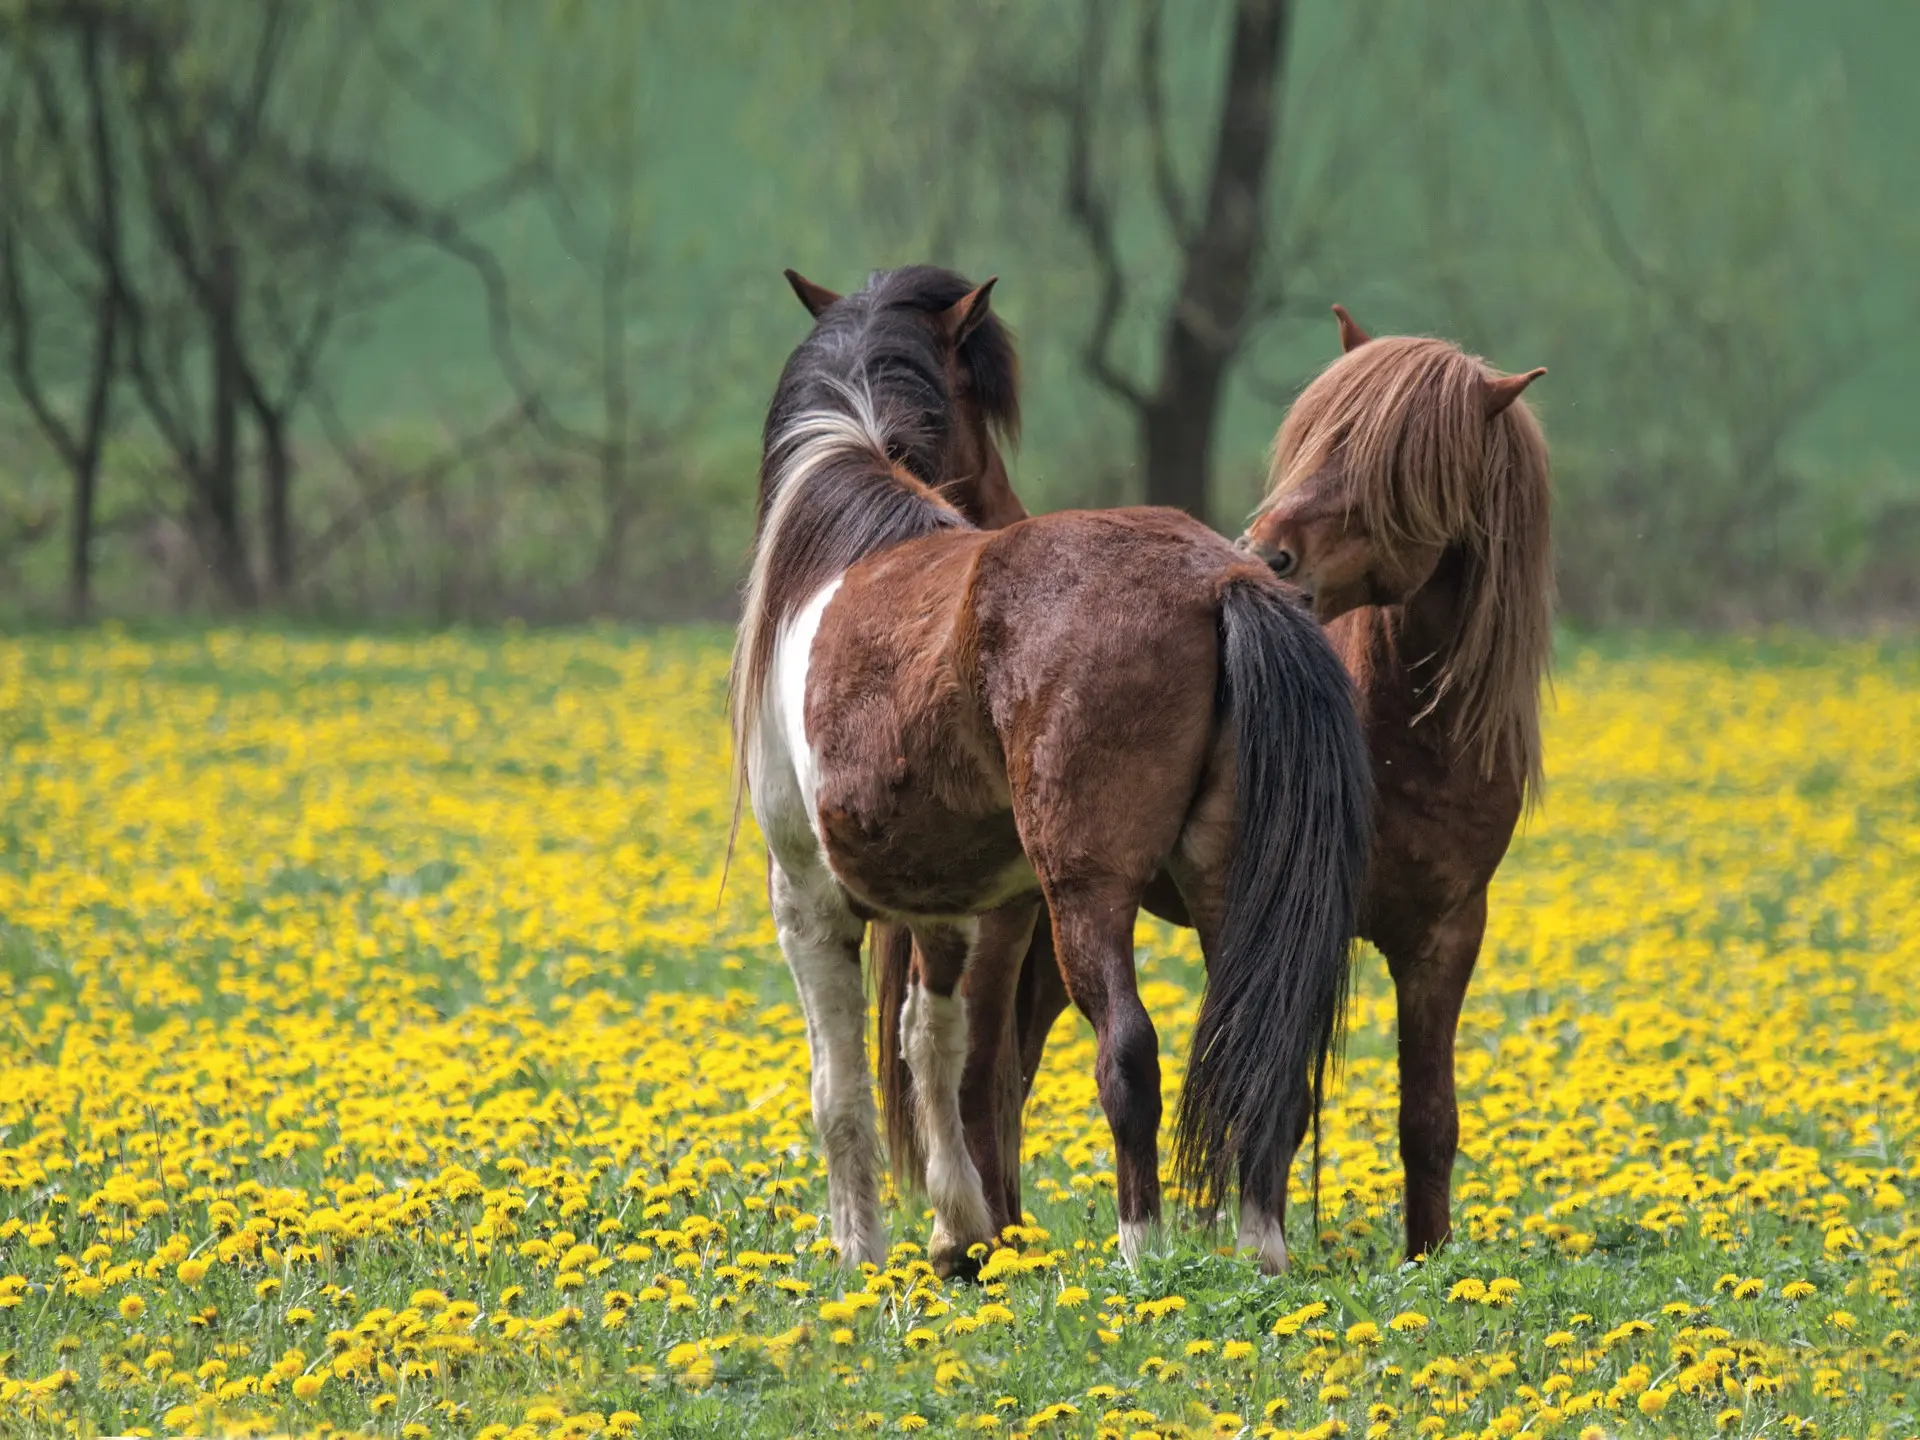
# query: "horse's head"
(979, 380)
(1385, 462)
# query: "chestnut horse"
(1408, 499)
(930, 719)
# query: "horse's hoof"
(952, 1262)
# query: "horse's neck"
(1396, 652)
(987, 499)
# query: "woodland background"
(424, 311)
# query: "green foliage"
(1694, 214)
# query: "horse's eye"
(1281, 562)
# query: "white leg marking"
(1137, 1238)
(933, 1035)
(1264, 1235)
(820, 937)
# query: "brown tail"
(891, 959)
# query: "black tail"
(1275, 1005)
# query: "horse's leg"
(1042, 999)
(933, 1036)
(820, 936)
(991, 1093)
(1093, 936)
(1043, 992)
(1430, 982)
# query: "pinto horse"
(1408, 499)
(945, 727)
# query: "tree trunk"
(80, 561)
(106, 332)
(221, 481)
(1222, 258)
(86, 461)
(277, 468)
(1176, 433)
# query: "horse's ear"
(1503, 392)
(965, 315)
(815, 297)
(1352, 337)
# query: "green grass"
(313, 925)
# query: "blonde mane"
(1422, 465)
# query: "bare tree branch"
(1619, 249)
(1153, 101)
(382, 493)
(1091, 211)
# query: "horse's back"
(1094, 606)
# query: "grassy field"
(373, 1059)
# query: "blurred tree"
(615, 394)
(1689, 240)
(1200, 158)
(636, 390)
(207, 189)
(1221, 242)
(517, 263)
(61, 228)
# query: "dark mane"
(855, 449)
(882, 334)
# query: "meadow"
(376, 1058)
